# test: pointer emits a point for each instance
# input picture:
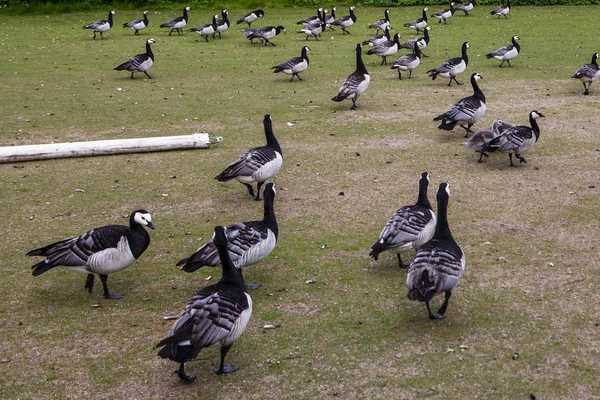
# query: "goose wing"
(512, 139)
(248, 163)
(405, 226)
(172, 22)
(350, 86)
(289, 64)
(587, 71)
(442, 260)
(463, 110)
(447, 66)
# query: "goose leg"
(250, 286)
(354, 106)
(444, 306)
(481, 154)
(258, 186)
(432, 315)
(511, 161)
(521, 158)
(502, 63)
(181, 373)
(410, 74)
(586, 88)
(148, 75)
(89, 282)
(225, 368)
(424, 55)
(402, 265)
(399, 75)
(299, 77)
(131, 74)
(508, 61)
(250, 189)
(107, 295)
(94, 37)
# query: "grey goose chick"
(588, 73)
(502, 11)
(138, 24)
(294, 65)
(382, 24)
(102, 251)
(438, 264)
(408, 62)
(482, 137)
(258, 164)
(250, 17)
(266, 34)
(101, 26)
(409, 227)
(387, 48)
(423, 42)
(248, 242)
(418, 23)
(346, 21)
(466, 7)
(506, 53)
(140, 62)
(177, 23)
(453, 67)
(217, 314)
(356, 83)
(517, 139)
(466, 111)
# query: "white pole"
(106, 147)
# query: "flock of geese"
(219, 313)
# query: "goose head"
(142, 217)
(150, 41)
(535, 114)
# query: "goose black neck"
(465, 57)
(417, 50)
(333, 13)
(595, 59)
(387, 15)
(185, 14)
(110, 19)
(424, 15)
(397, 39)
(149, 50)
(146, 19)
(426, 35)
(476, 90)
(360, 65)
(352, 16)
(269, 214)
(517, 45)
(423, 200)
(534, 126)
(304, 55)
(231, 274)
(214, 21)
(442, 230)
(271, 140)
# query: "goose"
(482, 137)
(177, 23)
(257, 164)
(378, 39)
(418, 23)
(381, 24)
(102, 251)
(101, 26)
(409, 227)
(506, 53)
(423, 42)
(313, 29)
(502, 10)
(439, 263)
(466, 111)
(223, 24)
(141, 62)
(329, 19)
(408, 62)
(251, 17)
(312, 18)
(517, 139)
(138, 24)
(205, 30)
(248, 242)
(294, 65)
(346, 21)
(218, 313)
(356, 83)
(466, 7)
(588, 73)
(387, 48)
(452, 67)
(267, 33)
(445, 14)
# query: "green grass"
(530, 234)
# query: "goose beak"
(150, 225)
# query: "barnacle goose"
(466, 111)
(102, 251)
(177, 23)
(466, 7)
(588, 73)
(517, 139)
(423, 42)
(438, 264)
(418, 23)
(387, 48)
(329, 19)
(409, 227)
(506, 53)
(312, 18)
(346, 21)
(223, 24)
(138, 24)
(218, 313)
(251, 17)
(445, 14)
(248, 242)
(313, 29)
(101, 26)
(381, 24)
(356, 83)
(266, 33)
(141, 62)
(482, 137)
(408, 62)
(205, 30)
(294, 65)
(452, 67)
(378, 39)
(502, 10)
(257, 164)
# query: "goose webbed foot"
(250, 189)
(432, 315)
(252, 286)
(511, 161)
(354, 106)
(481, 155)
(521, 159)
(224, 368)
(401, 264)
(89, 283)
(107, 294)
(181, 373)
